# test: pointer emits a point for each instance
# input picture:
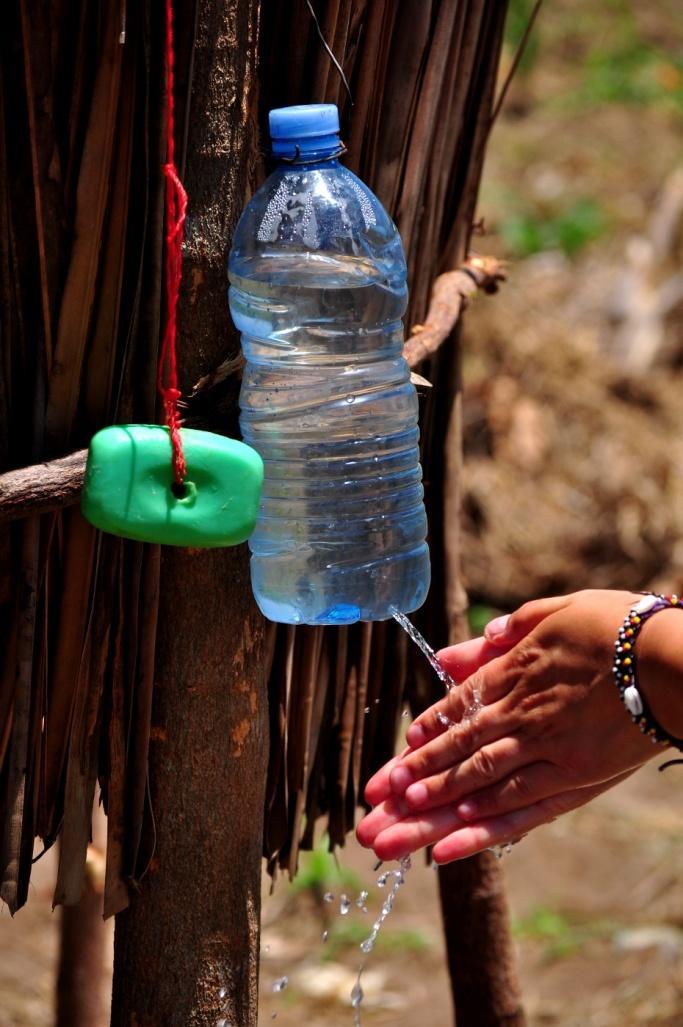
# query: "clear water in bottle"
(318, 291)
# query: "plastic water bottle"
(318, 290)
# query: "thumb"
(512, 627)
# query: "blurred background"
(573, 437)
(574, 451)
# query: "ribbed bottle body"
(328, 403)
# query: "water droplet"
(405, 714)
(356, 999)
(328, 897)
(344, 905)
(280, 984)
(382, 879)
(222, 1022)
(350, 399)
(326, 935)
(475, 706)
(366, 710)
(368, 945)
(362, 899)
(444, 720)
(376, 702)
(223, 992)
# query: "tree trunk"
(479, 949)
(186, 951)
(81, 958)
(82, 991)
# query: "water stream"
(422, 643)
(367, 945)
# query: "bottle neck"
(325, 150)
(309, 161)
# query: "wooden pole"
(479, 951)
(81, 961)
(83, 994)
(186, 950)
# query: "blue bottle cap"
(313, 128)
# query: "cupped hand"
(551, 733)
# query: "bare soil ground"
(596, 904)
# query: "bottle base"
(337, 616)
(372, 593)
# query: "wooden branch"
(450, 293)
(58, 483)
(42, 487)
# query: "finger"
(463, 659)
(382, 817)
(467, 841)
(455, 744)
(509, 629)
(485, 686)
(378, 787)
(485, 770)
(412, 833)
(523, 787)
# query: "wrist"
(660, 668)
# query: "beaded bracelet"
(625, 667)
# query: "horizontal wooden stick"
(58, 483)
(42, 487)
(450, 292)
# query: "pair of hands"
(551, 734)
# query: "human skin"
(552, 732)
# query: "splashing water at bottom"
(356, 999)
(366, 946)
(502, 850)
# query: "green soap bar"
(128, 477)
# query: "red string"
(176, 209)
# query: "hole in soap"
(184, 491)
(179, 489)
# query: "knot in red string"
(176, 210)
